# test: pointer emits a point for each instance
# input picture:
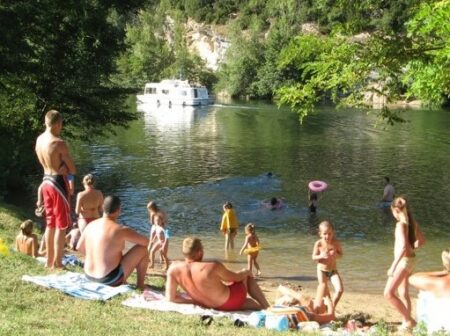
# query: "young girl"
(407, 237)
(251, 244)
(89, 204)
(26, 240)
(325, 252)
(229, 225)
(153, 212)
(313, 198)
(158, 241)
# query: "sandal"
(206, 320)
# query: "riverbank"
(30, 310)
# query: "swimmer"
(229, 225)
(158, 242)
(89, 203)
(326, 250)
(275, 203)
(154, 210)
(251, 241)
(313, 198)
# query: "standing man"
(102, 243)
(54, 156)
(205, 282)
(389, 191)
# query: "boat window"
(195, 93)
(165, 92)
(150, 90)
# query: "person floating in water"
(275, 203)
(229, 225)
(326, 250)
(251, 248)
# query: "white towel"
(77, 285)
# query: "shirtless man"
(102, 243)
(437, 282)
(204, 282)
(54, 156)
(89, 203)
(389, 191)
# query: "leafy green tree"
(56, 55)
(147, 55)
(396, 66)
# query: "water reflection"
(167, 119)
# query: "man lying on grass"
(204, 282)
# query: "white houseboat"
(174, 92)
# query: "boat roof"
(174, 83)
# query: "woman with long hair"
(407, 237)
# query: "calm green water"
(192, 161)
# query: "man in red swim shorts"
(53, 154)
(205, 282)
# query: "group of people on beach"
(101, 240)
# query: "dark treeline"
(82, 58)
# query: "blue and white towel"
(77, 285)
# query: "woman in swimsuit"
(89, 203)
(407, 237)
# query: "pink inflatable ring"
(317, 186)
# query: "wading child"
(407, 237)
(153, 211)
(326, 250)
(313, 200)
(158, 242)
(26, 240)
(251, 248)
(229, 225)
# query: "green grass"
(27, 309)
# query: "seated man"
(438, 282)
(102, 243)
(205, 282)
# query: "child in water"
(26, 240)
(325, 252)
(158, 241)
(251, 244)
(229, 225)
(313, 199)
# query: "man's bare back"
(104, 242)
(53, 155)
(207, 282)
(202, 281)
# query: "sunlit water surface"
(192, 161)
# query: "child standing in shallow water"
(158, 242)
(325, 252)
(251, 244)
(229, 225)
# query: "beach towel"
(68, 259)
(77, 285)
(155, 300)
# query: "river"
(192, 161)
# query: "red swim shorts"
(57, 206)
(238, 295)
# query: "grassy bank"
(27, 309)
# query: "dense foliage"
(56, 54)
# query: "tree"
(56, 54)
(396, 65)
